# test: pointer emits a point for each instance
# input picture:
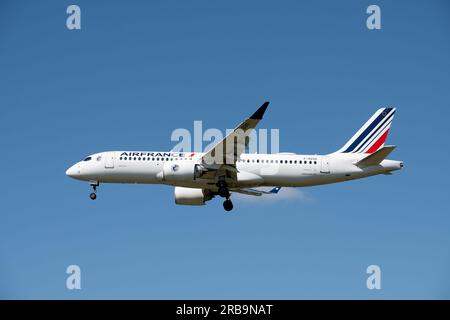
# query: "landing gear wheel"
(94, 185)
(223, 192)
(228, 205)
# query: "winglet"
(275, 190)
(260, 112)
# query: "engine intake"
(191, 196)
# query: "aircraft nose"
(73, 171)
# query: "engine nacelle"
(191, 196)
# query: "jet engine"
(191, 196)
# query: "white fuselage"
(282, 169)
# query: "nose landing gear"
(94, 185)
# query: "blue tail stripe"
(376, 131)
(368, 130)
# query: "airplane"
(226, 168)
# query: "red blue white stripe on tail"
(372, 134)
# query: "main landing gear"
(225, 193)
(94, 185)
(228, 205)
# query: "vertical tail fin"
(372, 134)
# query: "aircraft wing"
(257, 192)
(223, 156)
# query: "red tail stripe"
(379, 142)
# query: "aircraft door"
(109, 160)
(325, 165)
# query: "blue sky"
(136, 71)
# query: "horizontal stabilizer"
(376, 157)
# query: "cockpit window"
(87, 159)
